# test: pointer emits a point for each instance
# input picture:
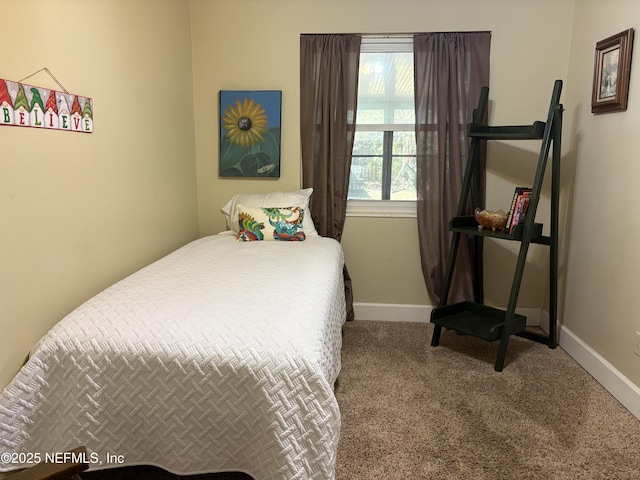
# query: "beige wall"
(253, 44)
(602, 258)
(80, 211)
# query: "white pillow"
(296, 198)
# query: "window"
(383, 167)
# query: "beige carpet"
(411, 411)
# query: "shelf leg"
(555, 201)
(502, 351)
(435, 339)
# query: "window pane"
(365, 182)
(370, 116)
(403, 178)
(404, 143)
(385, 88)
(403, 168)
(368, 143)
(406, 116)
(383, 163)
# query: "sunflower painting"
(250, 133)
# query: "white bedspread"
(220, 356)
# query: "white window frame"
(383, 208)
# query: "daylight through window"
(383, 166)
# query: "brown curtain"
(328, 100)
(450, 70)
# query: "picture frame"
(250, 129)
(612, 72)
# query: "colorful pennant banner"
(24, 105)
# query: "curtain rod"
(391, 35)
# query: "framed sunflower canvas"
(250, 133)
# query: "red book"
(522, 204)
(517, 194)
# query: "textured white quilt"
(220, 356)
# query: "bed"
(221, 356)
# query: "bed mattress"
(221, 356)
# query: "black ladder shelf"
(476, 319)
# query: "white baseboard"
(625, 391)
(396, 312)
(392, 312)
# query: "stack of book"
(519, 206)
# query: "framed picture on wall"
(250, 133)
(611, 73)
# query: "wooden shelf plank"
(467, 224)
(534, 131)
(480, 321)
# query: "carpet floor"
(412, 411)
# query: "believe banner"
(24, 105)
